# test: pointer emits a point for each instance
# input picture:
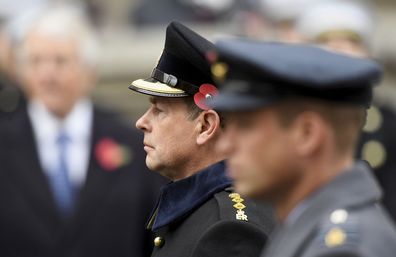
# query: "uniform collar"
(182, 197)
(350, 190)
(353, 187)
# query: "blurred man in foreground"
(294, 117)
(348, 26)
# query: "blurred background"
(59, 83)
(132, 36)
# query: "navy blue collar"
(182, 197)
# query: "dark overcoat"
(201, 216)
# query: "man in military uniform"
(294, 113)
(197, 214)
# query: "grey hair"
(65, 22)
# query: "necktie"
(62, 189)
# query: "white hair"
(337, 15)
(65, 22)
(285, 10)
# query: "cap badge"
(219, 71)
(206, 91)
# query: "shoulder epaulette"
(231, 205)
(338, 229)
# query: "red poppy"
(205, 92)
(109, 154)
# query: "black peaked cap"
(182, 67)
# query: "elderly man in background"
(73, 180)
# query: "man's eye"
(156, 109)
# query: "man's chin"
(153, 166)
(245, 189)
(242, 188)
(58, 109)
(150, 165)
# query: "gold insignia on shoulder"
(219, 71)
(239, 206)
(240, 215)
(237, 200)
(234, 195)
(335, 237)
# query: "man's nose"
(142, 123)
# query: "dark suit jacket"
(113, 205)
(344, 218)
(197, 217)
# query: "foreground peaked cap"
(182, 67)
(260, 73)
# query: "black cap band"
(173, 81)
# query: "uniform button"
(339, 216)
(159, 241)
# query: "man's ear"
(207, 126)
(309, 133)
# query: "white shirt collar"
(78, 127)
(77, 124)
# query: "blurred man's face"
(169, 137)
(54, 73)
(260, 153)
(345, 45)
(286, 32)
